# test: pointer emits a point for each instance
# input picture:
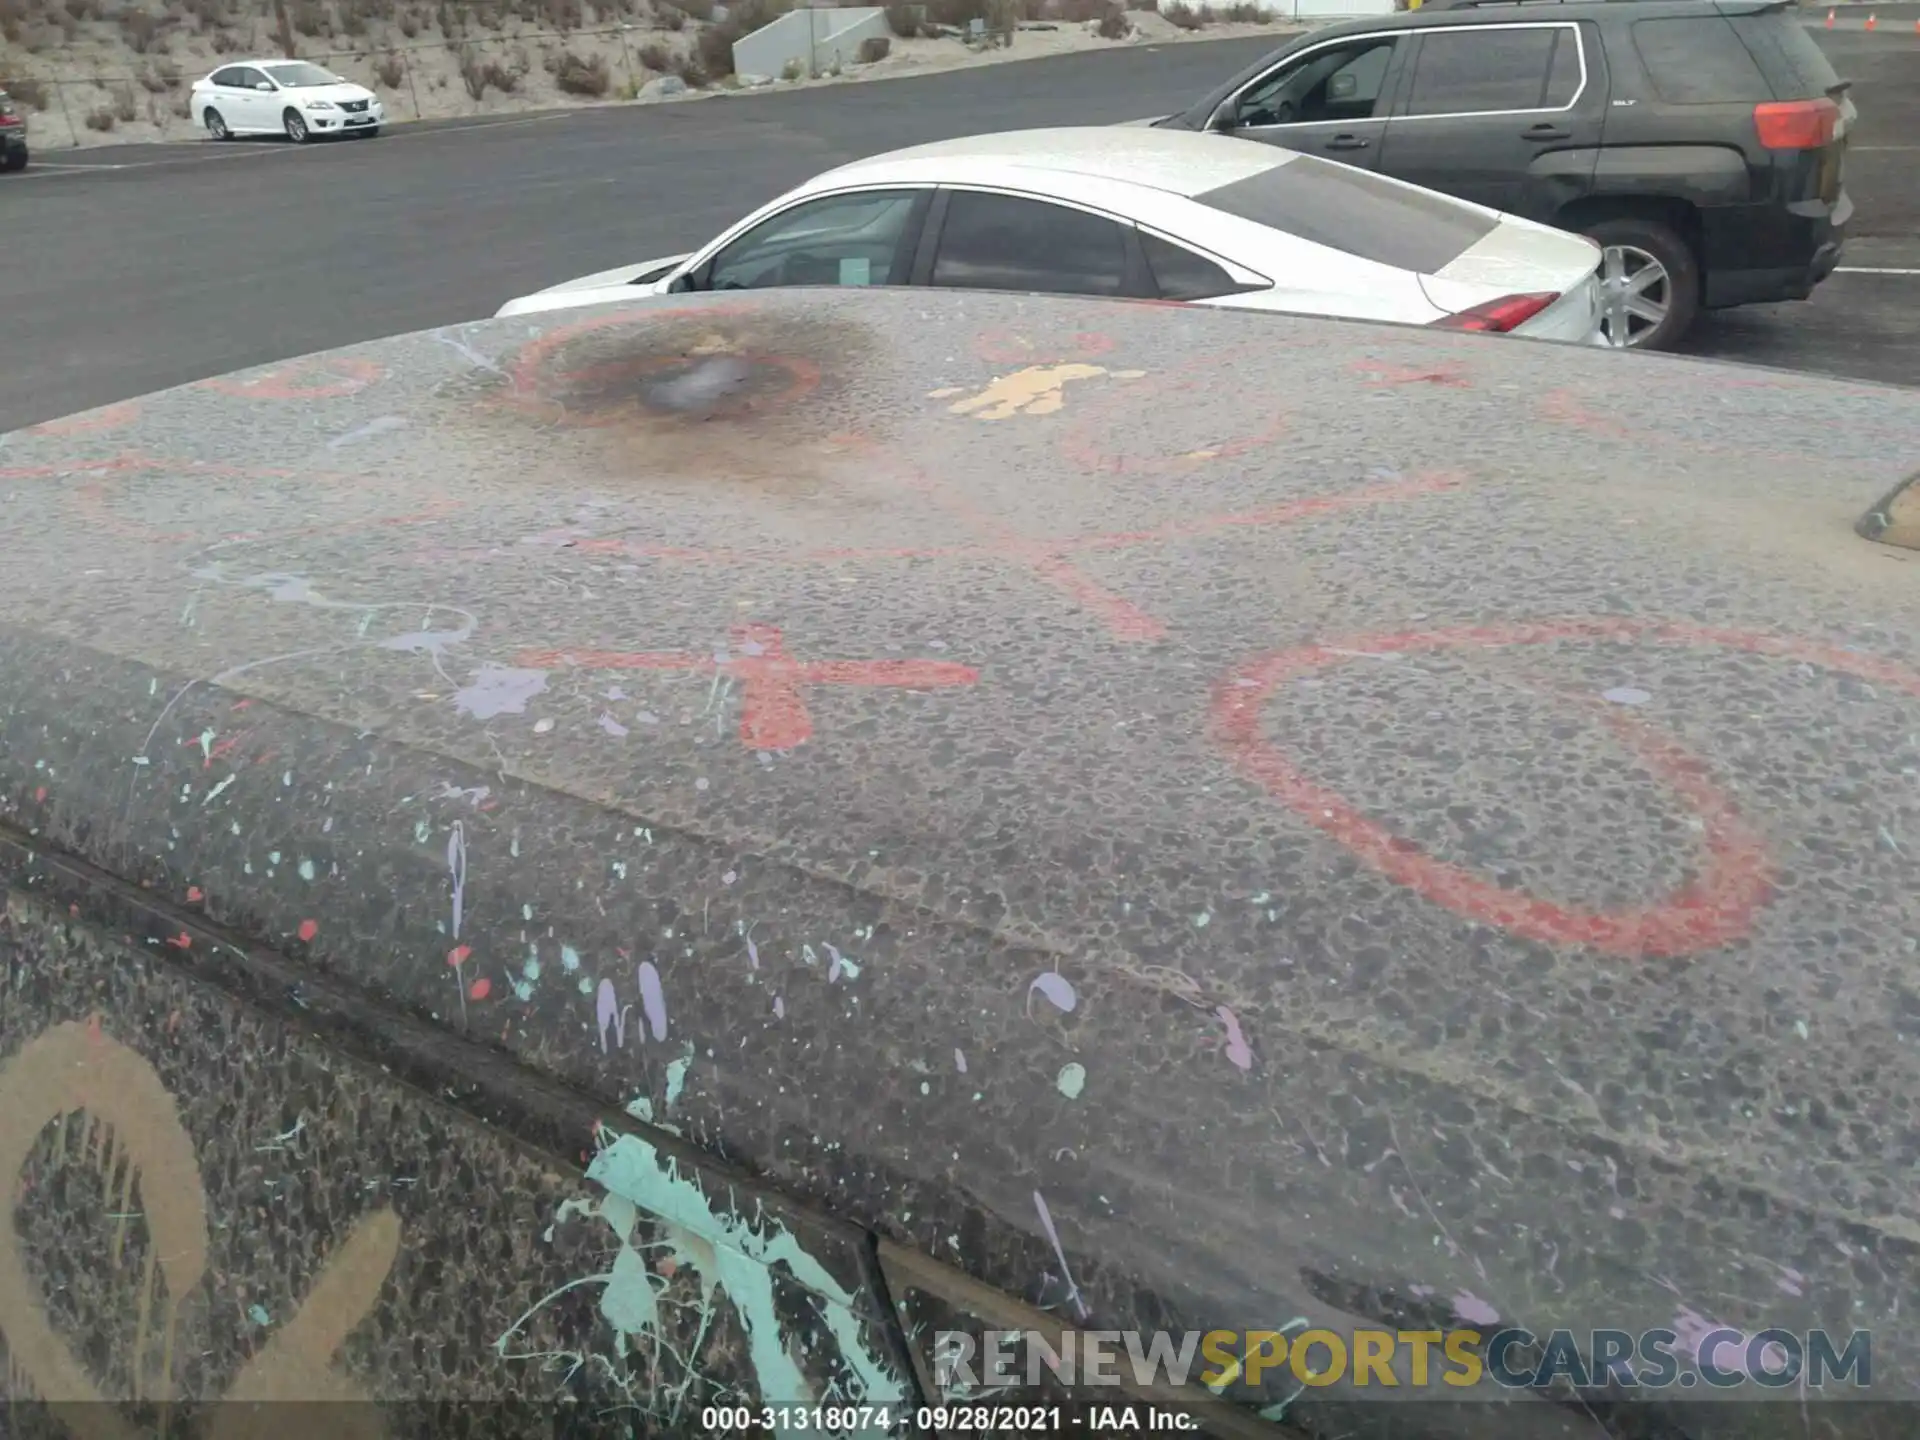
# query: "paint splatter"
(457, 868)
(457, 956)
(840, 966)
(499, 690)
(1071, 1080)
(753, 952)
(612, 726)
(1060, 1254)
(677, 1077)
(480, 988)
(1238, 1051)
(258, 1315)
(960, 1061)
(1057, 989)
(653, 1000)
(306, 871)
(779, 1008)
(1473, 1310)
(379, 425)
(606, 1007)
(309, 929)
(1626, 695)
(569, 959)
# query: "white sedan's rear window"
(1355, 211)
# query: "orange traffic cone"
(1873, 22)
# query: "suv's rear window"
(1699, 62)
(1787, 53)
(1356, 211)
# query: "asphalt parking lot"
(133, 268)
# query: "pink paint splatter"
(1475, 1311)
(1057, 989)
(1238, 1051)
(194, 894)
(309, 929)
(40, 796)
(182, 941)
(653, 1000)
(458, 956)
(606, 1007)
(480, 988)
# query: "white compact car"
(295, 98)
(1142, 214)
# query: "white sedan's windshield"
(302, 77)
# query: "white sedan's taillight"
(1497, 317)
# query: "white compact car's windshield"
(302, 77)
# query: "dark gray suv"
(1701, 142)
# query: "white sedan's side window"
(1007, 242)
(856, 239)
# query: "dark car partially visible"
(1701, 144)
(13, 134)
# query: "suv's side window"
(1491, 70)
(1340, 82)
(1005, 242)
(853, 239)
(1699, 62)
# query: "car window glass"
(250, 78)
(228, 77)
(852, 239)
(1470, 72)
(1699, 62)
(1563, 72)
(1341, 82)
(1180, 274)
(1003, 242)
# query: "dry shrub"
(225, 42)
(150, 80)
(100, 118)
(1185, 16)
(688, 68)
(956, 13)
(390, 70)
(873, 48)
(1143, 4)
(562, 15)
(695, 9)
(480, 76)
(903, 19)
(655, 56)
(1113, 24)
(1244, 14)
(83, 9)
(140, 30)
(409, 24)
(583, 77)
(182, 107)
(125, 107)
(310, 18)
(26, 90)
(714, 44)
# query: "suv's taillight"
(1796, 124)
(1509, 312)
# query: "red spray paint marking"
(773, 707)
(182, 941)
(1001, 346)
(459, 955)
(309, 929)
(92, 496)
(1381, 374)
(1086, 440)
(480, 988)
(108, 417)
(350, 376)
(195, 894)
(40, 795)
(527, 370)
(1568, 408)
(1716, 908)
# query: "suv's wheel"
(216, 127)
(296, 127)
(1649, 283)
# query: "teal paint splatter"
(1072, 1079)
(677, 1077)
(569, 959)
(259, 1316)
(731, 1255)
(306, 870)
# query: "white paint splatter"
(1473, 1310)
(1238, 1051)
(499, 690)
(379, 425)
(1057, 989)
(1060, 1254)
(653, 1000)
(1626, 695)
(612, 726)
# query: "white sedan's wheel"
(296, 127)
(216, 127)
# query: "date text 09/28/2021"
(944, 1419)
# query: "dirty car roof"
(1338, 811)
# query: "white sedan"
(1142, 214)
(294, 98)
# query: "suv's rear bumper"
(1755, 255)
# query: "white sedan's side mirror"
(265, 85)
